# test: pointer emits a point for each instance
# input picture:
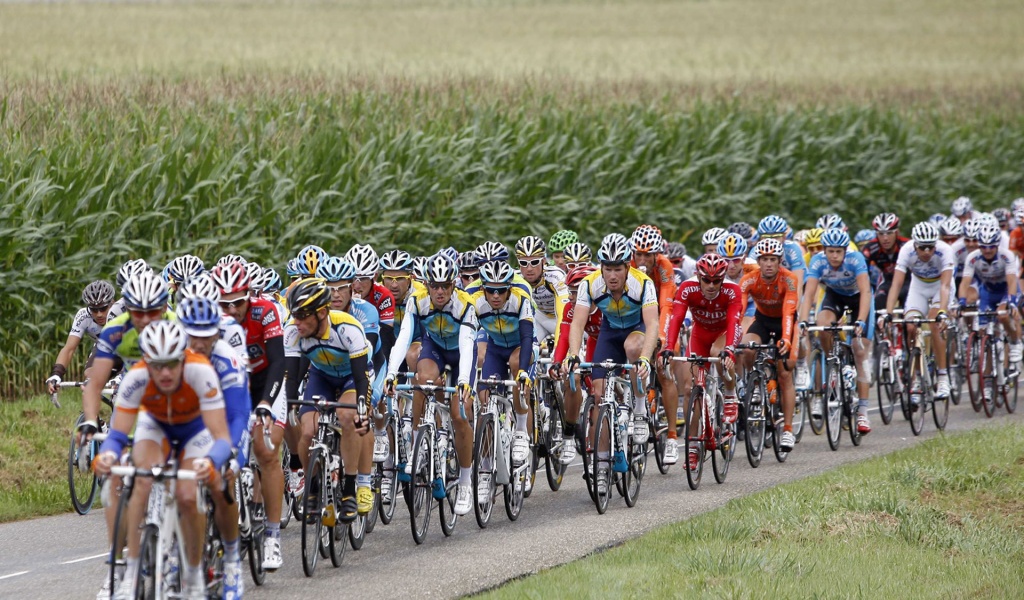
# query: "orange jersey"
(776, 298)
(199, 391)
(664, 286)
(1017, 241)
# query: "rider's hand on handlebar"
(728, 356)
(465, 392)
(523, 378)
(389, 385)
(665, 357)
(53, 383)
(102, 463)
(643, 367)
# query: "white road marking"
(77, 560)
(13, 575)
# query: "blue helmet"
(835, 238)
(732, 246)
(772, 225)
(292, 269)
(937, 219)
(199, 316)
(864, 236)
(335, 268)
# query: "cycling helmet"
(744, 230)
(496, 272)
(675, 250)
(488, 251)
(1002, 215)
(184, 267)
(129, 269)
(962, 206)
(270, 281)
(293, 270)
(98, 294)
(419, 267)
(230, 258)
(200, 287)
(254, 271)
(1017, 205)
(199, 317)
(531, 246)
(951, 227)
(308, 294)
(163, 341)
(1018, 215)
(800, 237)
(561, 239)
(647, 238)
(711, 266)
(440, 268)
(230, 278)
(732, 246)
(989, 235)
(577, 252)
(987, 219)
(309, 258)
(145, 291)
(713, 236)
(614, 249)
(835, 238)
(971, 229)
(578, 274)
(937, 219)
(335, 269)
(831, 221)
(772, 225)
(864, 236)
(885, 222)
(396, 260)
(813, 236)
(468, 260)
(925, 233)
(768, 247)
(450, 252)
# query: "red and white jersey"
(591, 329)
(721, 313)
(384, 301)
(261, 323)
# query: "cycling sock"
(348, 488)
(788, 428)
(568, 429)
(672, 433)
(520, 422)
(231, 551)
(862, 404)
(295, 463)
(274, 530)
(465, 475)
(364, 480)
(942, 371)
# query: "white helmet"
(230, 258)
(255, 273)
(531, 246)
(971, 228)
(364, 259)
(145, 291)
(962, 206)
(200, 287)
(615, 249)
(713, 236)
(989, 235)
(987, 219)
(440, 268)
(163, 341)
(925, 233)
(184, 267)
(129, 269)
(951, 227)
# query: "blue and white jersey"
(991, 273)
(928, 271)
(234, 382)
(233, 333)
(368, 316)
(843, 280)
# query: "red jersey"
(384, 301)
(721, 314)
(592, 328)
(261, 323)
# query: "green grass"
(873, 43)
(34, 438)
(944, 519)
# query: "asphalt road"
(61, 557)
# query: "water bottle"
(442, 449)
(850, 378)
(625, 424)
(545, 417)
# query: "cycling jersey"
(368, 317)
(261, 323)
(517, 281)
(885, 261)
(120, 339)
(991, 273)
(685, 271)
(626, 312)
(234, 384)
(549, 297)
(384, 301)
(84, 324)
(960, 253)
(510, 326)
(591, 329)
(931, 270)
(843, 280)
(720, 314)
(416, 286)
(664, 287)
(792, 257)
(332, 353)
(199, 391)
(776, 299)
(1016, 243)
(232, 333)
(450, 329)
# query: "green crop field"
(154, 129)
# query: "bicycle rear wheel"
(816, 395)
(484, 467)
(659, 426)
(81, 480)
(420, 486)
(725, 442)
(253, 542)
(514, 493)
(695, 431)
(602, 466)
(833, 405)
(884, 382)
(991, 385)
(754, 424)
(917, 382)
(553, 444)
(446, 506)
(636, 457)
(586, 433)
(975, 369)
(954, 367)
(387, 478)
(312, 513)
(145, 578)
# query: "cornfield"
(83, 189)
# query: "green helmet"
(561, 239)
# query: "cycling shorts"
(321, 384)
(924, 296)
(445, 358)
(193, 439)
(767, 328)
(611, 345)
(838, 304)
(701, 340)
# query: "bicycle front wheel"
(695, 432)
(990, 389)
(420, 486)
(387, 478)
(553, 444)
(816, 395)
(754, 424)
(833, 404)
(725, 441)
(446, 506)
(975, 369)
(954, 367)
(81, 479)
(312, 513)
(918, 401)
(885, 382)
(484, 471)
(604, 437)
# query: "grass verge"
(34, 437)
(941, 520)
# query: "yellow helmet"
(309, 294)
(813, 236)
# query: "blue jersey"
(843, 280)
(369, 317)
(510, 326)
(234, 381)
(626, 312)
(332, 353)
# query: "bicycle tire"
(118, 545)
(884, 383)
(81, 484)
(954, 368)
(799, 418)
(213, 555)
(917, 382)
(777, 424)
(257, 532)
(988, 403)
(975, 369)
(632, 479)
(586, 435)
(446, 507)
(725, 442)
(695, 440)
(659, 432)
(484, 463)
(604, 436)
(312, 520)
(754, 423)
(833, 405)
(1012, 390)
(816, 393)
(420, 486)
(386, 503)
(554, 470)
(514, 493)
(145, 577)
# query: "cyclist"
(448, 321)
(469, 271)
(336, 346)
(98, 297)
(1017, 233)
(733, 248)
(200, 319)
(775, 291)
(990, 280)
(577, 254)
(882, 254)
(396, 276)
(682, 265)
(711, 238)
(574, 394)
(844, 275)
(647, 244)
(548, 290)
(181, 269)
(557, 245)
(506, 315)
(365, 286)
(715, 306)
(775, 227)
(964, 246)
(180, 398)
(265, 342)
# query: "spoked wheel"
(515, 493)
(833, 405)
(446, 506)
(588, 422)
(917, 382)
(213, 556)
(885, 378)
(777, 422)
(695, 424)
(312, 518)
(991, 383)
(659, 426)
(940, 410)
(601, 464)
(799, 418)
(553, 444)
(118, 548)
(955, 369)
(483, 471)
(851, 411)
(636, 457)
(1011, 393)
(816, 395)
(81, 479)
(145, 579)
(725, 443)
(253, 543)
(420, 498)
(754, 424)
(975, 375)
(387, 479)
(357, 530)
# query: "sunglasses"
(496, 290)
(386, 279)
(988, 247)
(735, 260)
(302, 315)
(533, 262)
(233, 303)
(469, 276)
(436, 285)
(712, 281)
(98, 310)
(572, 265)
(338, 287)
(153, 313)
(364, 279)
(924, 247)
(815, 249)
(160, 365)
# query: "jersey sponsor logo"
(256, 313)
(236, 340)
(709, 315)
(255, 351)
(385, 303)
(270, 318)
(211, 393)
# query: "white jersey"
(233, 333)
(960, 255)
(991, 272)
(929, 271)
(85, 325)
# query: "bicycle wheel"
(940, 409)
(975, 369)
(884, 382)
(754, 425)
(799, 418)
(213, 555)
(446, 507)
(387, 477)
(514, 494)
(585, 433)
(725, 442)
(312, 519)
(636, 458)
(917, 382)
(954, 367)
(816, 395)
(289, 506)
(553, 444)
(659, 432)
(484, 471)
(145, 578)
(695, 424)
(991, 385)
(776, 422)
(833, 405)
(81, 480)
(420, 486)
(253, 542)
(118, 547)
(1011, 393)
(604, 439)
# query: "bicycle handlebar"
(156, 473)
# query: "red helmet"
(578, 274)
(230, 278)
(885, 222)
(711, 266)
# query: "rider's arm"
(467, 344)
(894, 290)
(790, 287)
(561, 301)
(60, 365)
(666, 294)
(126, 410)
(650, 314)
(387, 339)
(810, 291)
(679, 308)
(732, 320)
(91, 393)
(525, 334)
(864, 288)
(401, 347)
(359, 364)
(562, 339)
(275, 369)
(581, 313)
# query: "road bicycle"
(707, 434)
(840, 404)
(920, 378)
(990, 381)
(762, 404)
(82, 482)
(492, 461)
